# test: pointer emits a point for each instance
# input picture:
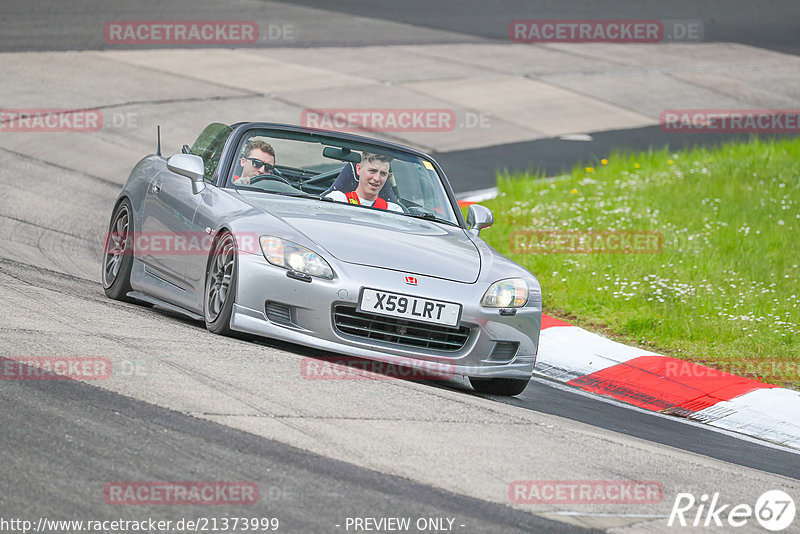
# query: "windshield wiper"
(428, 216)
(301, 195)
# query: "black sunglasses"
(257, 163)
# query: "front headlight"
(510, 293)
(294, 257)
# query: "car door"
(166, 229)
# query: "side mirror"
(478, 218)
(190, 166)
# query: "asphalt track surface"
(44, 25)
(64, 441)
(72, 24)
(770, 25)
(61, 442)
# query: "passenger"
(372, 173)
(260, 159)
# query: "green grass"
(723, 291)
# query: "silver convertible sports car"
(330, 240)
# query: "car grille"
(348, 320)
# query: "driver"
(260, 159)
(372, 172)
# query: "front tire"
(507, 387)
(221, 285)
(118, 253)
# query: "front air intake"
(278, 313)
(348, 320)
(504, 351)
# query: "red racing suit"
(379, 203)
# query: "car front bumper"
(306, 317)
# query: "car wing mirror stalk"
(190, 166)
(478, 218)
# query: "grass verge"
(710, 272)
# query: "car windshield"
(332, 169)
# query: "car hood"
(375, 238)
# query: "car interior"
(327, 166)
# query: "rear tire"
(506, 387)
(221, 281)
(118, 253)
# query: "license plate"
(408, 307)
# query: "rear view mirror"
(342, 154)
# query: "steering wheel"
(273, 177)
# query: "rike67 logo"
(774, 510)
